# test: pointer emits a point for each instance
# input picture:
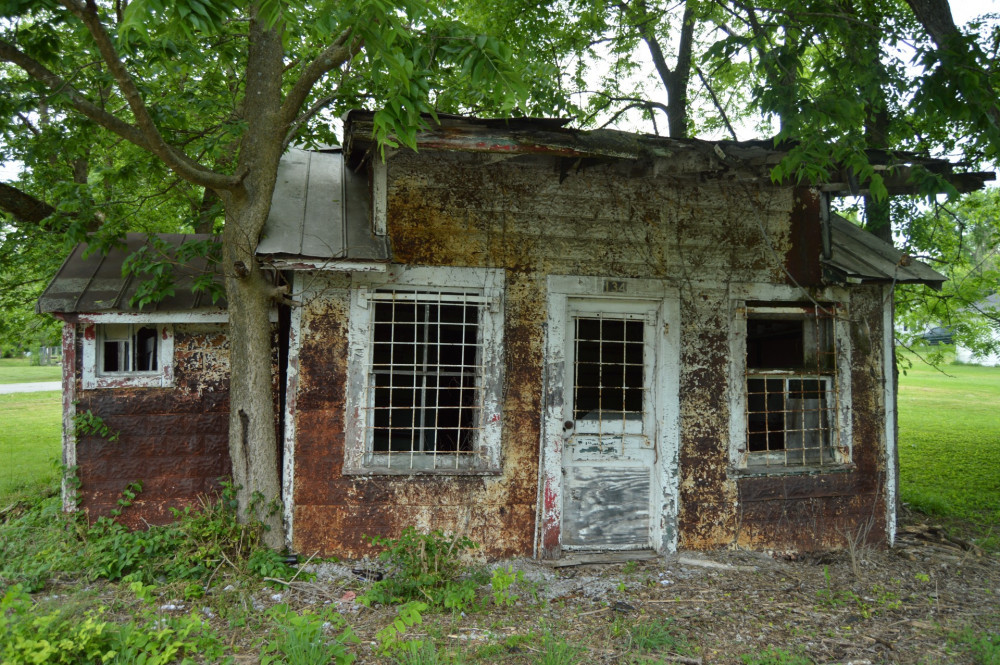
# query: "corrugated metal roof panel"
(320, 210)
(95, 283)
(858, 255)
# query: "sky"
(962, 10)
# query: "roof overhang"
(857, 256)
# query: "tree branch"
(716, 102)
(318, 106)
(152, 140)
(23, 206)
(935, 16)
(335, 55)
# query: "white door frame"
(665, 386)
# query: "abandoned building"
(547, 339)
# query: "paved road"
(6, 388)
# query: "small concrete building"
(547, 339)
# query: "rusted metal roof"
(679, 157)
(320, 210)
(95, 283)
(857, 255)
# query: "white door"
(609, 424)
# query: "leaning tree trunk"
(253, 440)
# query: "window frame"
(789, 303)
(483, 284)
(92, 374)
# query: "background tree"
(211, 92)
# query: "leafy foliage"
(43, 543)
(300, 639)
(61, 635)
(424, 566)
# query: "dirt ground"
(904, 605)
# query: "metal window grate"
(791, 387)
(424, 382)
(608, 363)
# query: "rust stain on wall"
(174, 440)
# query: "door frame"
(666, 381)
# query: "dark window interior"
(608, 368)
(774, 343)
(133, 351)
(424, 377)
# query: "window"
(426, 396)
(119, 354)
(793, 397)
(128, 349)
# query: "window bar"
(420, 429)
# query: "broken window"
(126, 355)
(792, 394)
(126, 348)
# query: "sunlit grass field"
(30, 438)
(949, 444)
(20, 370)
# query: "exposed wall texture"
(174, 439)
(536, 216)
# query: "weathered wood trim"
(330, 265)
(90, 379)
(891, 432)
(209, 316)
(291, 424)
(490, 282)
(380, 189)
(69, 364)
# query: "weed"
(629, 567)
(390, 639)
(424, 566)
(34, 635)
(983, 647)
(300, 639)
(87, 423)
(557, 651)
(416, 653)
(502, 580)
(775, 657)
(655, 635)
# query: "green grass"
(20, 370)
(30, 439)
(949, 444)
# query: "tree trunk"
(253, 441)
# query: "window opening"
(608, 374)
(425, 379)
(791, 387)
(127, 348)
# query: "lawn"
(20, 370)
(29, 441)
(949, 443)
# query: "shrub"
(425, 567)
